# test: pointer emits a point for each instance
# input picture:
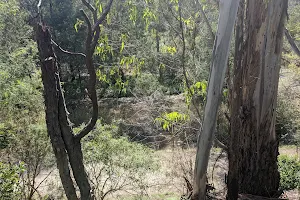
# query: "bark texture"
(52, 95)
(254, 146)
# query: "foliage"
(289, 168)
(167, 120)
(115, 164)
(9, 181)
(287, 121)
(197, 90)
(23, 136)
(293, 23)
(145, 85)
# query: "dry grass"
(168, 183)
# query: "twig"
(43, 180)
(214, 166)
(67, 52)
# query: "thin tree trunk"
(160, 68)
(228, 10)
(254, 146)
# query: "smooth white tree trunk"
(227, 16)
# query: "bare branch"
(44, 179)
(89, 51)
(206, 21)
(67, 52)
(220, 144)
(103, 16)
(291, 41)
(183, 59)
(89, 6)
(91, 42)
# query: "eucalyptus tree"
(228, 11)
(254, 144)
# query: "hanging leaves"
(78, 24)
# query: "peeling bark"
(254, 146)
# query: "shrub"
(146, 84)
(287, 120)
(289, 168)
(115, 164)
(9, 181)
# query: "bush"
(146, 84)
(9, 181)
(287, 120)
(115, 164)
(289, 168)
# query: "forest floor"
(168, 182)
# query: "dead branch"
(67, 52)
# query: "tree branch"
(183, 58)
(95, 39)
(220, 144)
(67, 52)
(89, 6)
(91, 42)
(206, 21)
(103, 16)
(291, 41)
(92, 80)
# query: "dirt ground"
(168, 182)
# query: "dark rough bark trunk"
(254, 146)
(66, 146)
(51, 94)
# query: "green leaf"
(78, 24)
(122, 47)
